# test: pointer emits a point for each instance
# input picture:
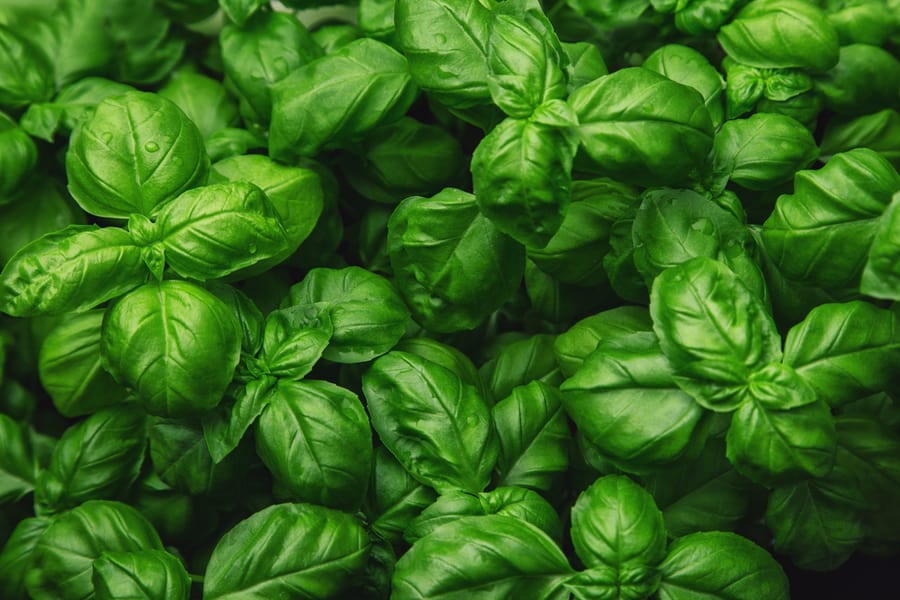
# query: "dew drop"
(252, 249)
(151, 147)
(440, 38)
(106, 136)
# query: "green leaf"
(261, 52)
(205, 101)
(73, 269)
(609, 583)
(817, 532)
(437, 426)
(713, 330)
(321, 551)
(62, 561)
(616, 523)
(97, 459)
(821, 234)
(779, 34)
(364, 84)
(845, 351)
(670, 120)
(294, 340)
(295, 192)
(395, 498)
(703, 494)
(673, 226)
(762, 151)
(316, 440)
(135, 153)
(175, 344)
(446, 43)
(624, 401)
(881, 275)
(225, 426)
(18, 156)
(522, 177)
(70, 370)
(534, 438)
(18, 466)
(404, 158)
(523, 505)
(686, 66)
(26, 75)
(216, 230)
(181, 459)
(574, 345)
(525, 61)
(16, 557)
(518, 363)
(720, 566)
(145, 575)
(452, 265)
(774, 447)
(503, 558)
(367, 314)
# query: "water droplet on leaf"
(151, 147)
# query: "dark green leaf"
(175, 344)
(437, 426)
(316, 440)
(97, 459)
(321, 551)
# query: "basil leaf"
(16, 557)
(295, 192)
(773, 446)
(364, 84)
(720, 566)
(73, 269)
(322, 551)
(534, 438)
(97, 459)
(315, 438)
(880, 276)
(845, 351)
(670, 119)
(367, 314)
(18, 467)
(395, 498)
(70, 368)
(261, 52)
(436, 425)
(779, 34)
(504, 558)
(446, 43)
(452, 265)
(147, 574)
(26, 75)
(525, 61)
(225, 426)
(821, 234)
(686, 66)
(624, 401)
(136, 152)
(712, 329)
(216, 230)
(703, 494)
(521, 174)
(616, 523)
(525, 505)
(175, 344)
(62, 562)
